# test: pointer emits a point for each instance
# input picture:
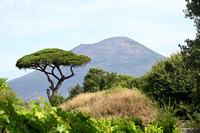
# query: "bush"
(138, 122)
(5, 90)
(165, 126)
(124, 81)
(153, 127)
(39, 116)
(80, 123)
(117, 125)
(97, 80)
(57, 100)
(74, 91)
(125, 125)
(168, 125)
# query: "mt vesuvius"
(119, 54)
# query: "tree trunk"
(54, 90)
(48, 94)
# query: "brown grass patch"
(123, 103)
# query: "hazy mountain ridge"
(120, 54)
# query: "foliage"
(103, 125)
(57, 100)
(168, 125)
(98, 80)
(122, 125)
(125, 81)
(52, 56)
(138, 122)
(117, 125)
(38, 117)
(170, 81)
(191, 51)
(74, 91)
(6, 91)
(153, 127)
(80, 123)
(193, 12)
(126, 126)
(3, 84)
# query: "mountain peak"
(116, 40)
(115, 48)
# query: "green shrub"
(74, 91)
(97, 80)
(57, 100)
(124, 81)
(39, 116)
(138, 122)
(5, 90)
(153, 127)
(126, 126)
(117, 125)
(80, 123)
(168, 125)
(103, 125)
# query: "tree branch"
(38, 69)
(52, 71)
(50, 81)
(72, 73)
(44, 70)
(61, 74)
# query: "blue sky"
(27, 26)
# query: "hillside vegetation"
(40, 117)
(120, 102)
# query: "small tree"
(98, 80)
(50, 60)
(74, 91)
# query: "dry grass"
(123, 103)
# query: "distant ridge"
(120, 54)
